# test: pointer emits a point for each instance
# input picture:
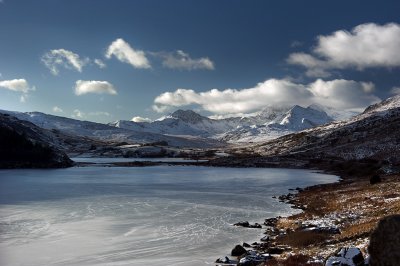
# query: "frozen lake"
(161, 215)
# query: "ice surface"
(159, 215)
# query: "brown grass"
(368, 202)
(302, 239)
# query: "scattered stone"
(225, 260)
(238, 250)
(248, 225)
(271, 222)
(349, 256)
(265, 238)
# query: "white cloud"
(125, 53)
(18, 85)
(367, 45)
(63, 58)
(395, 90)
(344, 94)
(99, 63)
(140, 119)
(182, 60)
(57, 109)
(94, 86)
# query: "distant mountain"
(24, 145)
(372, 134)
(106, 133)
(267, 124)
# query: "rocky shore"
(335, 224)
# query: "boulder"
(253, 259)
(385, 242)
(348, 256)
(238, 250)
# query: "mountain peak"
(188, 116)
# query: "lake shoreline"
(348, 226)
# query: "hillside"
(373, 134)
(24, 145)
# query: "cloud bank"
(338, 93)
(54, 59)
(183, 61)
(125, 53)
(365, 46)
(94, 86)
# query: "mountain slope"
(373, 134)
(22, 144)
(106, 133)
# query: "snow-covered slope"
(106, 132)
(269, 123)
(371, 134)
(295, 119)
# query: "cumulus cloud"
(182, 60)
(139, 119)
(125, 53)
(99, 63)
(367, 45)
(20, 85)
(54, 59)
(94, 86)
(339, 93)
(57, 109)
(17, 85)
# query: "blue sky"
(109, 60)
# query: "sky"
(106, 60)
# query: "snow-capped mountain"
(269, 123)
(102, 132)
(371, 134)
(295, 119)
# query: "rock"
(351, 256)
(223, 260)
(375, 179)
(246, 245)
(243, 224)
(265, 238)
(256, 225)
(253, 259)
(385, 242)
(248, 225)
(271, 222)
(238, 250)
